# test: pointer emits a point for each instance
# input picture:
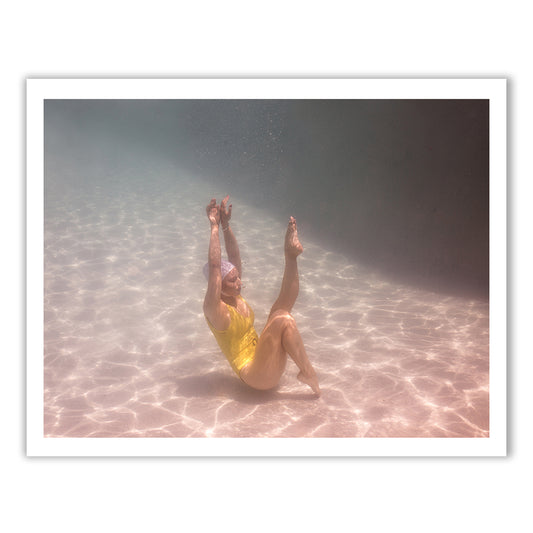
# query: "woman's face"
(231, 284)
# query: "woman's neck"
(230, 300)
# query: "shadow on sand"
(216, 384)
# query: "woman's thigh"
(270, 358)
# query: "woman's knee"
(282, 317)
(282, 326)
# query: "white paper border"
(494, 90)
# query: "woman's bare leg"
(293, 344)
(290, 285)
(281, 336)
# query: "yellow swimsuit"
(238, 342)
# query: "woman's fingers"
(213, 211)
(225, 211)
(222, 209)
(223, 205)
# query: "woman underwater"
(258, 360)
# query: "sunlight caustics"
(128, 352)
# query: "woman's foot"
(293, 248)
(312, 381)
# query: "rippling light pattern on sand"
(128, 353)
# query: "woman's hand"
(225, 213)
(213, 213)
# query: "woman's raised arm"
(214, 308)
(232, 248)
